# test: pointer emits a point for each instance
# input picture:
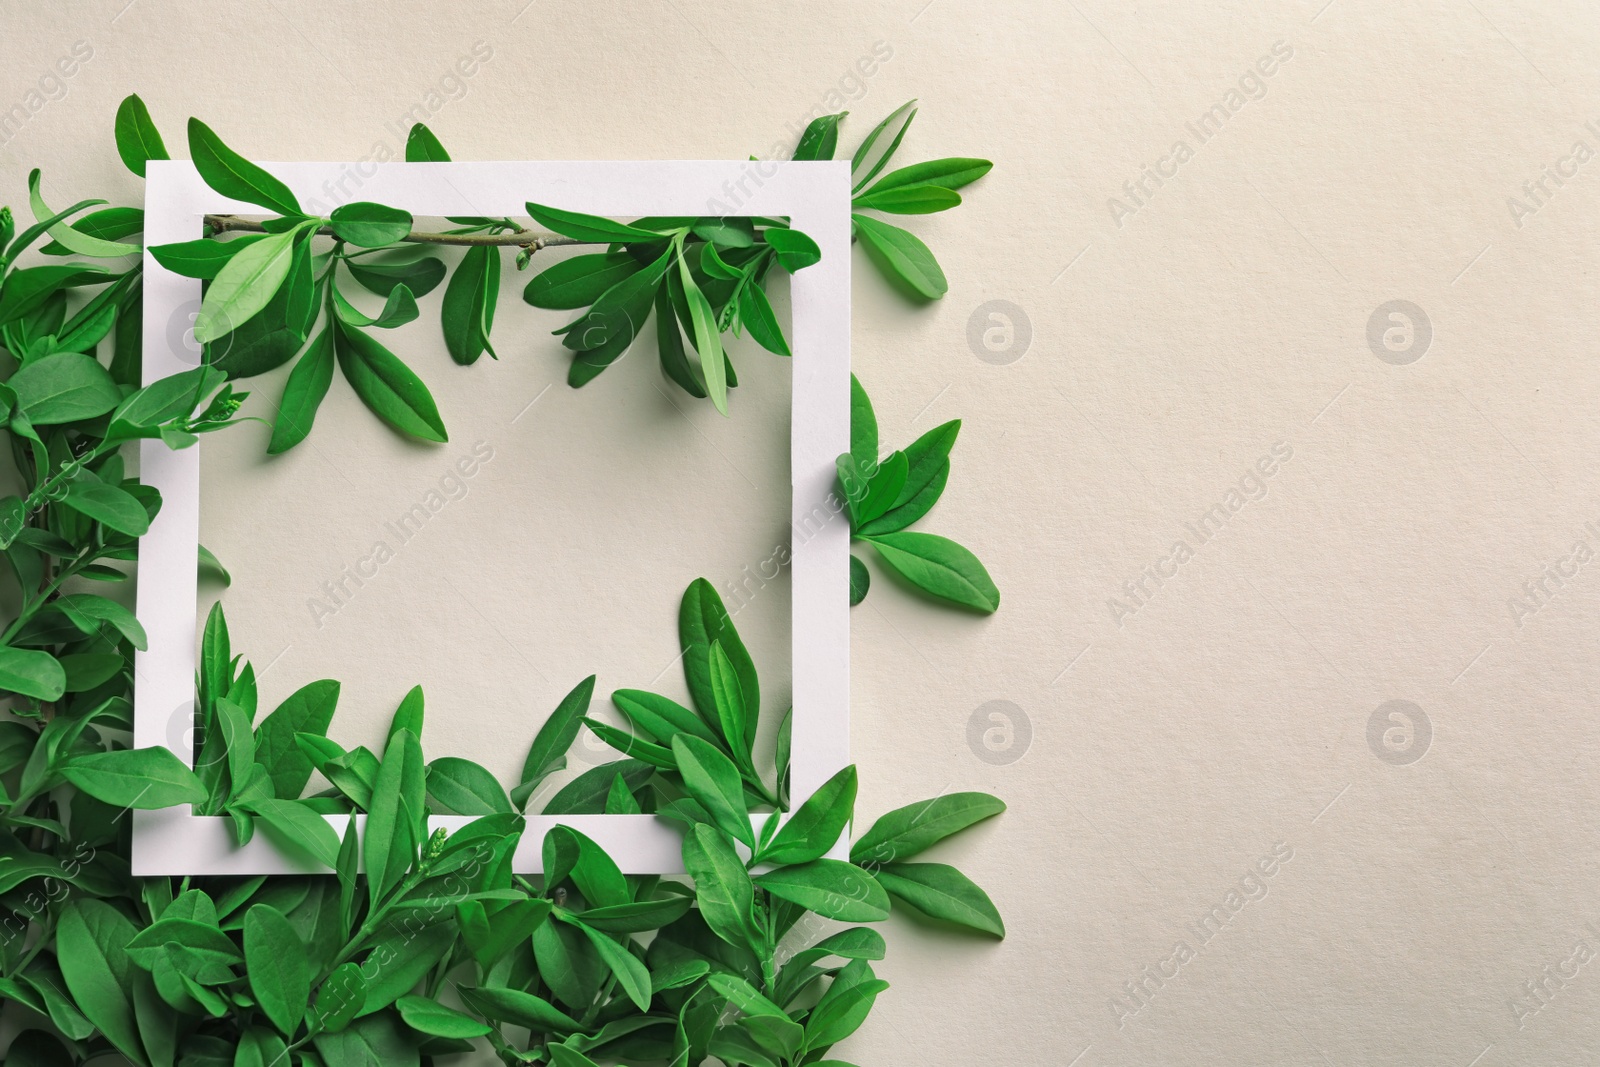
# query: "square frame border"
(814, 195)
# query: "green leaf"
(138, 140)
(428, 1017)
(744, 996)
(399, 309)
(844, 1007)
(901, 257)
(820, 138)
(928, 470)
(381, 276)
(703, 619)
(831, 888)
(469, 304)
(755, 311)
(733, 714)
(244, 285)
(387, 386)
(340, 997)
(143, 778)
(423, 147)
(795, 250)
(811, 831)
(303, 393)
(713, 780)
(630, 973)
(370, 225)
(88, 610)
(64, 387)
(211, 565)
(204, 257)
(294, 822)
(174, 397)
(307, 710)
(74, 240)
(707, 338)
(583, 227)
(108, 504)
(922, 199)
(900, 120)
(904, 832)
(91, 944)
(579, 281)
(234, 176)
(722, 886)
(27, 290)
(863, 426)
(586, 794)
(32, 673)
(461, 787)
(860, 580)
(871, 496)
(548, 752)
(944, 893)
(375, 1041)
(519, 1009)
(389, 844)
(659, 717)
(950, 173)
(275, 961)
(109, 223)
(939, 566)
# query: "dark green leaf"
(303, 393)
(91, 943)
(702, 619)
(548, 751)
(138, 140)
(293, 822)
(381, 276)
(860, 580)
(820, 138)
(795, 250)
(469, 304)
(108, 504)
(428, 1017)
(583, 227)
(423, 147)
(713, 780)
(234, 176)
(387, 386)
(461, 787)
(579, 281)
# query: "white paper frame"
(815, 195)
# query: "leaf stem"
(517, 238)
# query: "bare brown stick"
(532, 240)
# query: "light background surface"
(1228, 313)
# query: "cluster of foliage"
(415, 945)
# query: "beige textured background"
(1226, 717)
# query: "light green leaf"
(292, 821)
(244, 285)
(795, 250)
(950, 173)
(707, 338)
(74, 240)
(939, 566)
(922, 199)
(460, 787)
(900, 120)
